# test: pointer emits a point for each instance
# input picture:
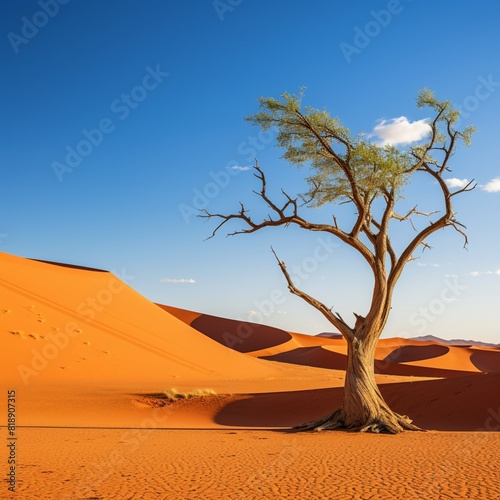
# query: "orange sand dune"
(244, 336)
(80, 340)
(91, 362)
(72, 325)
(238, 335)
(396, 356)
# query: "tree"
(370, 178)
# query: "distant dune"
(457, 342)
(394, 356)
(86, 349)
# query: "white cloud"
(493, 186)
(242, 169)
(400, 131)
(259, 315)
(177, 281)
(485, 273)
(428, 264)
(456, 183)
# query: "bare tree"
(370, 178)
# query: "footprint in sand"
(18, 333)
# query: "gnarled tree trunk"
(363, 407)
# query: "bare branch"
(426, 246)
(284, 219)
(457, 226)
(468, 187)
(226, 218)
(413, 211)
(332, 317)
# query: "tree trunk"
(363, 408)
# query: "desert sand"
(103, 378)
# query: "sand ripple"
(236, 464)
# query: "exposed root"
(392, 423)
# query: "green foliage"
(446, 114)
(345, 167)
(321, 141)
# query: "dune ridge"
(394, 356)
(95, 364)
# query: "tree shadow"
(454, 404)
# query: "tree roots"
(385, 423)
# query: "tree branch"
(284, 219)
(413, 211)
(344, 166)
(334, 318)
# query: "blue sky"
(120, 118)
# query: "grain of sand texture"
(241, 464)
(98, 373)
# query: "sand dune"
(241, 336)
(73, 325)
(394, 356)
(80, 338)
(84, 350)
